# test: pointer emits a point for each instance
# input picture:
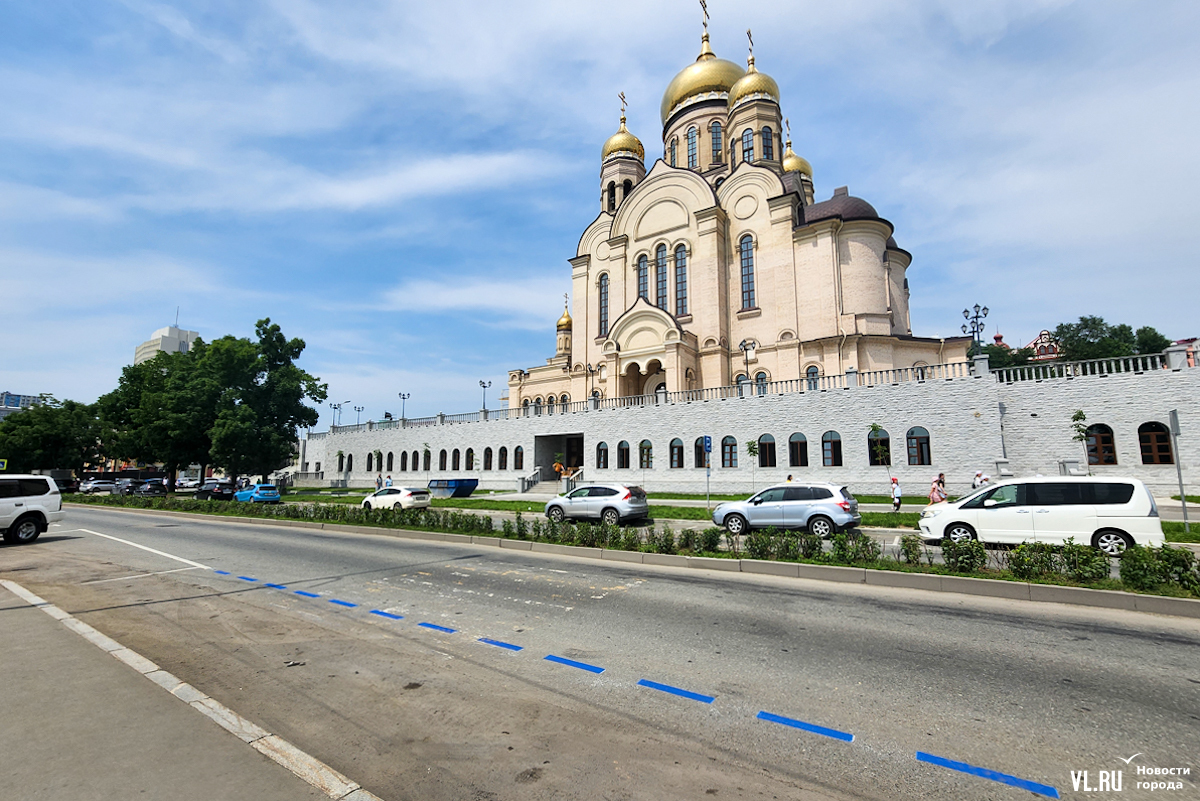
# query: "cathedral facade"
(718, 266)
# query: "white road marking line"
(145, 548)
(141, 575)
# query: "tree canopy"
(1093, 338)
(48, 435)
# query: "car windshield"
(975, 494)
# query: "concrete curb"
(993, 588)
(307, 767)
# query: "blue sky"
(401, 184)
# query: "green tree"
(1092, 338)
(752, 452)
(1149, 341)
(50, 435)
(1080, 428)
(999, 357)
(264, 403)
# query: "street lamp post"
(403, 397)
(975, 324)
(337, 408)
(357, 413)
(746, 346)
(484, 386)
(591, 372)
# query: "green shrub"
(811, 545)
(1180, 567)
(689, 540)
(710, 539)
(759, 542)
(1141, 568)
(840, 548)
(1031, 560)
(911, 547)
(786, 545)
(1083, 563)
(864, 549)
(665, 541)
(968, 556)
(631, 539)
(522, 528)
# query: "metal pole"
(1179, 467)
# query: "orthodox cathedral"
(718, 266)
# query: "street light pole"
(403, 397)
(975, 324)
(591, 372)
(484, 386)
(357, 413)
(746, 346)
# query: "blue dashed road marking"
(572, 663)
(308, 594)
(277, 586)
(247, 578)
(436, 627)
(499, 644)
(800, 724)
(666, 688)
(341, 603)
(388, 615)
(222, 572)
(1033, 787)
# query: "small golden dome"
(754, 85)
(622, 142)
(564, 322)
(794, 163)
(707, 75)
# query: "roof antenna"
(176, 316)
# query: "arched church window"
(643, 278)
(674, 142)
(612, 195)
(646, 455)
(341, 462)
(693, 156)
(442, 460)
(626, 188)
(602, 456)
(660, 277)
(350, 463)
(742, 380)
(766, 451)
(760, 384)
(729, 452)
(487, 458)
(812, 376)
(918, 446)
(798, 450)
(831, 449)
(676, 453)
(403, 461)
(1155, 441)
(1101, 448)
(879, 448)
(369, 467)
(746, 247)
(681, 306)
(455, 460)
(603, 305)
(747, 145)
(416, 462)
(550, 405)
(389, 462)
(768, 139)
(518, 458)
(470, 458)
(427, 456)
(537, 407)
(502, 459)
(699, 454)
(716, 142)
(622, 455)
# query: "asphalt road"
(413, 711)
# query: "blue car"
(259, 493)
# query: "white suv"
(28, 505)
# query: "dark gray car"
(823, 509)
(611, 503)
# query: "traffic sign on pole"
(707, 444)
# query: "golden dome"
(707, 76)
(754, 85)
(564, 322)
(794, 163)
(622, 142)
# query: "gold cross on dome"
(622, 96)
(704, 8)
(750, 36)
(788, 124)
(566, 298)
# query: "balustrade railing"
(532, 480)
(1041, 371)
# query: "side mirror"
(989, 503)
(756, 501)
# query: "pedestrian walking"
(937, 489)
(378, 482)
(789, 478)
(896, 494)
(980, 480)
(387, 482)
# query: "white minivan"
(28, 505)
(1108, 513)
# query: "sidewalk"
(83, 725)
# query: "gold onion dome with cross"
(794, 163)
(564, 322)
(707, 78)
(754, 85)
(622, 143)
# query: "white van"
(28, 505)
(1108, 513)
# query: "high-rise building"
(165, 340)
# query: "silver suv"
(824, 509)
(611, 503)
(28, 505)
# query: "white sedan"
(392, 497)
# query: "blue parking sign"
(707, 444)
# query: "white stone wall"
(962, 416)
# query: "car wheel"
(557, 515)
(959, 532)
(24, 531)
(367, 505)
(736, 525)
(1111, 542)
(611, 516)
(821, 527)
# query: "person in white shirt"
(896, 494)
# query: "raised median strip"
(303, 765)
(932, 582)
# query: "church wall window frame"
(766, 451)
(831, 449)
(427, 457)
(676, 453)
(671, 151)
(349, 463)
(370, 456)
(487, 458)
(646, 455)
(602, 298)
(812, 377)
(660, 277)
(699, 457)
(518, 458)
(1154, 441)
(746, 248)
(797, 450)
(918, 440)
(341, 463)
(443, 459)
(718, 148)
(1101, 445)
(761, 379)
(681, 298)
(612, 196)
(748, 146)
(768, 144)
(403, 461)
(729, 452)
(602, 456)
(879, 448)
(456, 460)
(622, 455)
(626, 188)
(693, 158)
(389, 462)
(643, 277)
(469, 459)
(502, 459)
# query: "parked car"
(823, 509)
(611, 503)
(259, 493)
(67, 485)
(1107, 513)
(187, 483)
(126, 486)
(28, 505)
(403, 497)
(93, 485)
(215, 490)
(155, 487)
